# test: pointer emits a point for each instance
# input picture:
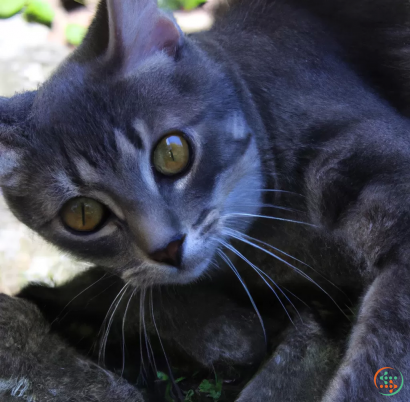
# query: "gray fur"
(37, 366)
(277, 71)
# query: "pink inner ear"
(166, 36)
(139, 30)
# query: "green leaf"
(39, 11)
(205, 386)
(212, 390)
(189, 395)
(10, 7)
(74, 34)
(162, 376)
(168, 397)
(191, 4)
(180, 379)
(178, 4)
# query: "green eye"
(83, 214)
(171, 155)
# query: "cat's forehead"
(159, 93)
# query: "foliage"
(180, 4)
(10, 7)
(211, 389)
(74, 34)
(39, 11)
(189, 395)
(164, 377)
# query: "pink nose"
(171, 254)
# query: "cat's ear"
(13, 113)
(137, 30)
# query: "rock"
(27, 57)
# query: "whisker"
(142, 365)
(123, 331)
(148, 346)
(79, 294)
(262, 274)
(296, 297)
(287, 255)
(171, 376)
(269, 217)
(275, 191)
(300, 272)
(235, 271)
(105, 337)
(270, 206)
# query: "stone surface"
(27, 57)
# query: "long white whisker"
(235, 271)
(142, 369)
(270, 206)
(147, 340)
(287, 255)
(268, 217)
(123, 331)
(79, 294)
(275, 191)
(262, 274)
(300, 272)
(171, 376)
(296, 297)
(105, 338)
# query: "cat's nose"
(171, 254)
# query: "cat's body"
(271, 102)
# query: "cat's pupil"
(83, 214)
(171, 155)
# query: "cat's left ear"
(137, 30)
(13, 112)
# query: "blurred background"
(35, 36)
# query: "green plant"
(189, 395)
(164, 377)
(39, 11)
(74, 34)
(212, 389)
(10, 7)
(180, 4)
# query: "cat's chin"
(162, 274)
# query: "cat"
(148, 151)
(198, 329)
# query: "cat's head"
(136, 154)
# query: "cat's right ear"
(13, 113)
(138, 29)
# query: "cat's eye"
(171, 155)
(83, 214)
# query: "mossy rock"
(39, 11)
(10, 7)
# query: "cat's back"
(371, 36)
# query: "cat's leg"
(300, 368)
(359, 193)
(381, 338)
(37, 366)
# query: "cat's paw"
(21, 326)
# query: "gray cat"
(161, 157)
